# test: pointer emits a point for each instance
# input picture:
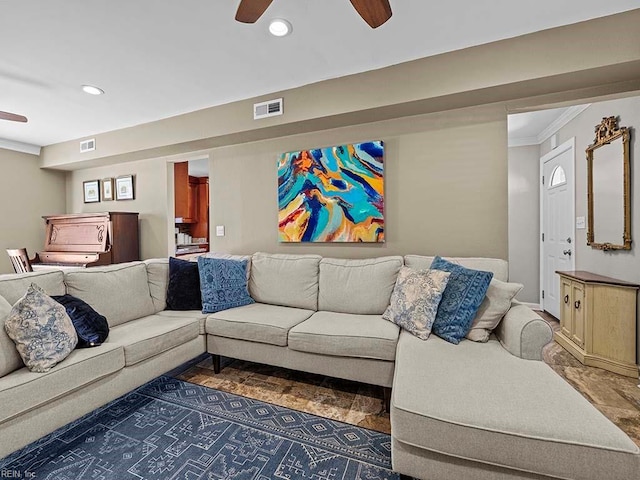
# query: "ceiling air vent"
(88, 145)
(267, 109)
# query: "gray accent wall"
(622, 264)
(524, 221)
(26, 194)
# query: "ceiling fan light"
(91, 90)
(280, 27)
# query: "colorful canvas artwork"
(333, 194)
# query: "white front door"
(557, 251)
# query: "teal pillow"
(223, 284)
(461, 299)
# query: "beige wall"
(524, 221)
(549, 63)
(26, 194)
(151, 200)
(624, 265)
(445, 190)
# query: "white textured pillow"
(41, 329)
(494, 306)
(415, 299)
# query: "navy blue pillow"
(460, 301)
(183, 291)
(223, 284)
(91, 327)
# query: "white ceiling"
(159, 58)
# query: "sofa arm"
(523, 332)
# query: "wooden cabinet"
(186, 194)
(598, 321)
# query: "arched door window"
(558, 177)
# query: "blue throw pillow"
(461, 299)
(223, 284)
(183, 290)
(91, 327)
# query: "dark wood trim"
(216, 362)
(386, 391)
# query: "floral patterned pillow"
(415, 299)
(41, 329)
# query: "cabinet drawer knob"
(576, 304)
(566, 299)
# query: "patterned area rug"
(171, 429)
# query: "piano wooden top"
(79, 232)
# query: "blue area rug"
(171, 429)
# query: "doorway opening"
(191, 207)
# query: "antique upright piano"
(88, 239)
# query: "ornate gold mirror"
(608, 187)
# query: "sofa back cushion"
(119, 292)
(288, 280)
(158, 276)
(14, 286)
(357, 286)
(497, 266)
(10, 359)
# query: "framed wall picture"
(91, 190)
(107, 189)
(124, 187)
(332, 194)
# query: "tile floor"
(615, 396)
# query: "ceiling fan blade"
(249, 11)
(13, 117)
(374, 12)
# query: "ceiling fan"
(374, 12)
(12, 117)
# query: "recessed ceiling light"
(91, 90)
(279, 27)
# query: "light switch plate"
(219, 230)
(580, 223)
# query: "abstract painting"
(333, 194)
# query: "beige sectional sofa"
(143, 343)
(468, 411)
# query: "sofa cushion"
(223, 284)
(499, 267)
(14, 286)
(495, 305)
(193, 314)
(24, 390)
(119, 292)
(461, 299)
(287, 280)
(346, 335)
(149, 336)
(10, 359)
(158, 276)
(91, 327)
(41, 329)
(487, 405)
(259, 322)
(183, 290)
(357, 286)
(415, 300)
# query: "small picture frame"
(107, 189)
(124, 187)
(91, 190)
